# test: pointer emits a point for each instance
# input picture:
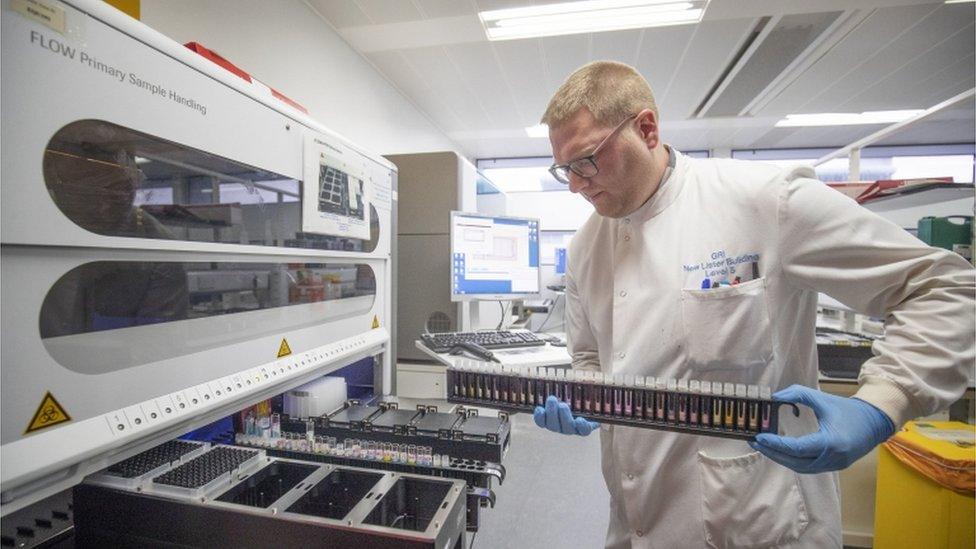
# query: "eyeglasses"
(585, 166)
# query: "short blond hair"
(610, 90)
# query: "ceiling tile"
(914, 42)
(437, 69)
(892, 93)
(698, 60)
(389, 11)
(341, 13)
(619, 46)
(446, 8)
(522, 63)
(489, 87)
(877, 30)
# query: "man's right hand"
(557, 417)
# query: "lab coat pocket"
(727, 327)
(749, 501)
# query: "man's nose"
(577, 182)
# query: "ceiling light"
(539, 130)
(588, 16)
(845, 118)
(959, 1)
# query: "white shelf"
(928, 194)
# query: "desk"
(541, 355)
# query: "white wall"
(284, 44)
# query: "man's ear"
(647, 128)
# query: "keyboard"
(442, 342)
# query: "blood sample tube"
(628, 396)
(752, 392)
(672, 400)
(547, 381)
(576, 383)
(694, 400)
(728, 392)
(683, 401)
(660, 397)
(618, 395)
(740, 406)
(502, 384)
(638, 391)
(607, 395)
(706, 403)
(767, 407)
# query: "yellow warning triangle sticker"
(48, 414)
(376, 322)
(284, 349)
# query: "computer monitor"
(560, 257)
(494, 257)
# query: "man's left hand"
(849, 429)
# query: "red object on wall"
(237, 71)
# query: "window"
(894, 162)
(92, 319)
(114, 181)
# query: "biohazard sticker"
(284, 349)
(48, 414)
(376, 322)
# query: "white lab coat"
(634, 306)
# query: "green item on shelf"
(943, 232)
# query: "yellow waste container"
(926, 483)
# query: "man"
(771, 239)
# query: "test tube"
(717, 404)
(591, 392)
(576, 379)
(546, 383)
(628, 396)
(540, 386)
(706, 403)
(567, 377)
(694, 398)
(683, 401)
(401, 452)
(618, 395)
(728, 418)
(767, 407)
(411, 455)
(660, 397)
(740, 406)
(672, 399)
(275, 426)
(753, 393)
(607, 394)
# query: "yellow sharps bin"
(926, 483)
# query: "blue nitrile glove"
(849, 429)
(557, 417)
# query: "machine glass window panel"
(115, 181)
(190, 306)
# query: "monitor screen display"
(493, 257)
(560, 261)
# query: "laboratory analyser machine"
(181, 243)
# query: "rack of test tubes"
(730, 410)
